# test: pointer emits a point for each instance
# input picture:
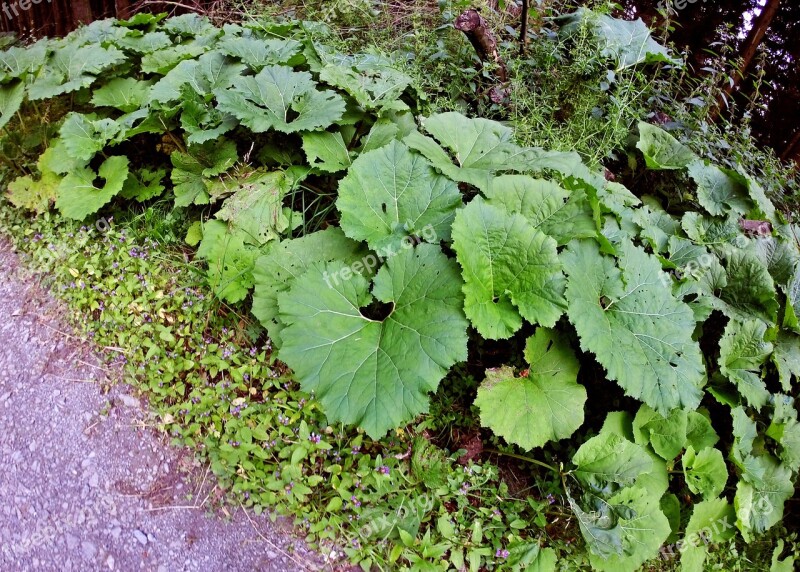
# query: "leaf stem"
(524, 458)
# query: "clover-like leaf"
(78, 193)
(637, 330)
(276, 271)
(545, 404)
(511, 270)
(375, 372)
(391, 194)
(282, 99)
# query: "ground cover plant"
(390, 256)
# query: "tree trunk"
(82, 11)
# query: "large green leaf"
(544, 404)
(194, 170)
(785, 429)
(126, 94)
(481, 147)
(211, 71)
(639, 332)
(786, 357)
(36, 195)
(230, 260)
(391, 194)
(750, 290)
(627, 42)
(326, 151)
(610, 458)
(705, 471)
(374, 87)
(623, 531)
(277, 271)
(661, 150)
(282, 99)
(743, 351)
(370, 371)
(717, 191)
(17, 61)
(759, 501)
(511, 270)
(712, 521)
(559, 213)
(11, 97)
(84, 136)
(72, 67)
(667, 435)
(78, 196)
(258, 53)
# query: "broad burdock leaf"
(144, 43)
(256, 206)
(786, 357)
(511, 271)
(785, 430)
(78, 197)
(375, 88)
(143, 184)
(162, 61)
(391, 194)
(84, 136)
(230, 260)
(712, 522)
(610, 458)
(548, 207)
(667, 435)
(750, 290)
(705, 471)
(661, 150)
(792, 309)
(16, 62)
(375, 373)
(190, 25)
(623, 531)
(712, 232)
(544, 404)
(764, 207)
(126, 94)
(276, 271)
(780, 256)
(637, 330)
(381, 133)
(11, 97)
(193, 171)
(717, 191)
(657, 226)
(688, 257)
(257, 53)
(36, 195)
(760, 501)
(743, 351)
(281, 99)
(699, 432)
(72, 67)
(627, 42)
(211, 71)
(481, 148)
(326, 151)
(200, 120)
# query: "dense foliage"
(382, 248)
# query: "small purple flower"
(551, 499)
(501, 553)
(355, 501)
(384, 470)
(314, 438)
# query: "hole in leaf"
(99, 182)
(377, 310)
(291, 115)
(495, 299)
(383, 207)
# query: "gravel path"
(84, 484)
